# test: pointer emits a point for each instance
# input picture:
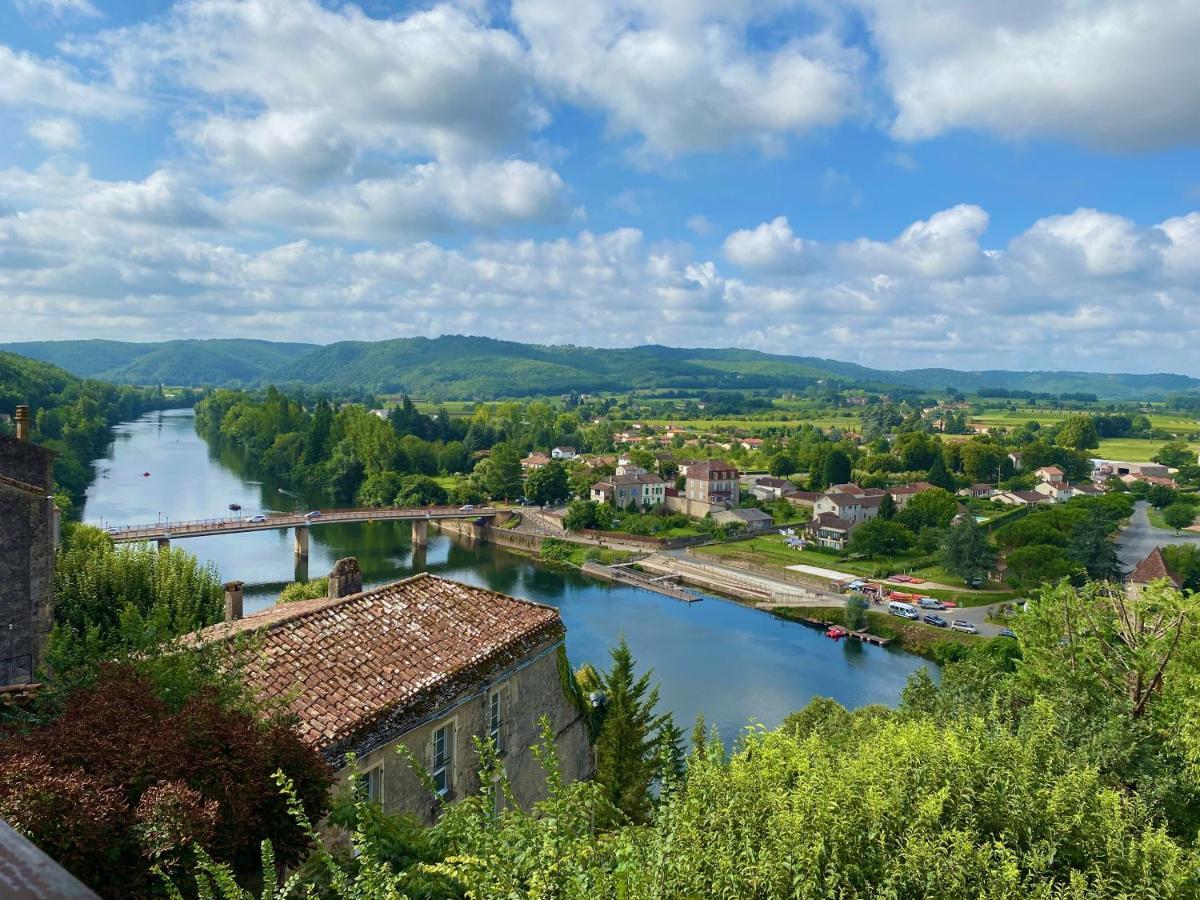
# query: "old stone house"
(424, 662)
(28, 534)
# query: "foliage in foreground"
(879, 805)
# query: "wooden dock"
(865, 636)
(659, 585)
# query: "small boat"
(235, 506)
(836, 632)
(145, 474)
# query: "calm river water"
(735, 665)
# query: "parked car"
(313, 514)
(934, 619)
(1007, 632)
(467, 507)
(964, 626)
(259, 518)
(931, 603)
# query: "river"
(735, 665)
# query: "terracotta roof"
(1153, 568)
(345, 664)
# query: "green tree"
(1090, 548)
(583, 514)
(1176, 454)
(781, 465)
(880, 537)
(1184, 560)
(379, 489)
(938, 476)
(503, 472)
(966, 551)
(935, 507)
(836, 469)
(887, 507)
(1179, 515)
(1036, 564)
(547, 484)
(419, 490)
(628, 737)
(854, 616)
(1078, 432)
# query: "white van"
(903, 610)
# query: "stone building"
(28, 534)
(713, 481)
(424, 662)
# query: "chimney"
(22, 420)
(233, 600)
(345, 578)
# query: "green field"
(1009, 418)
(1131, 449)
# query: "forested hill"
(453, 367)
(232, 362)
(73, 416)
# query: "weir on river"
(734, 664)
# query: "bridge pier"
(164, 543)
(420, 532)
(302, 541)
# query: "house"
(830, 531)
(1151, 569)
(977, 491)
(751, 443)
(771, 488)
(28, 535)
(1058, 491)
(1050, 473)
(803, 498)
(848, 507)
(1022, 498)
(622, 491)
(1086, 490)
(424, 662)
(563, 453)
(752, 519)
(534, 461)
(902, 493)
(713, 481)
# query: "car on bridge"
(470, 507)
(259, 518)
(313, 514)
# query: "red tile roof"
(1153, 568)
(344, 665)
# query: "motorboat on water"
(235, 506)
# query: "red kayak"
(837, 632)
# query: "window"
(443, 759)
(370, 785)
(495, 718)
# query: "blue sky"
(897, 182)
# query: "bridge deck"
(238, 524)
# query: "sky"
(901, 183)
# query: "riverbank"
(935, 644)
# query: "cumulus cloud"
(313, 88)
(686, 76)
(1111, 73)
(27, 80)
(1084, 289)
(57, 133)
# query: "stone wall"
(27, 538)
(529, 689)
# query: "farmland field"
(1131, 449)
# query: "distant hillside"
(226, 362)
(455, 366)
(30, 381)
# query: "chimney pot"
(233, 600)
(345, 578)
(22, 422)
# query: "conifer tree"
(628, 740)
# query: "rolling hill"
(456, 366)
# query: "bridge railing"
(280, 520)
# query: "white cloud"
(57, 134)
(26, 80)
(770, 247)
(686, 75)
(59, 9)
(298, 87)
(700, 224)
(1111, 73)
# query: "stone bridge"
(165, 532)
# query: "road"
(1139, 537)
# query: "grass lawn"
(1131, 449)
(770, 550)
